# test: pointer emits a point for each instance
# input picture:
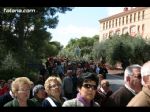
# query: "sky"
(81, 21)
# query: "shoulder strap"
(51, 102)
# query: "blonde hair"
(49, 80)
(19, 82)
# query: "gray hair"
(128, 70)
(36, 89)
(145, 71)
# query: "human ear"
(128, 78)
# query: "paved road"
(115, 81)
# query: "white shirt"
(130, 89)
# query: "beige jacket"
(142, 99)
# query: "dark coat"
(15, 103)
(101, 98)
(46, 103)
(121, 97)
(37, 101)
(5, 98)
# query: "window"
(110, 33)
(112, 23)
(117, 32)
(134, 17)
(116, 22)
(143, 15)
(106, 25)
(119, 21)
(126, 19)
(123, 21)
(130, 18)
(138, 29)
(103, 26)
(138, 16)
(133, 30)
(142, 29)
(109, 24)
(125, 30)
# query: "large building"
(135, 21)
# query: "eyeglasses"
(55, 86)
(23, 91)
(94, 87)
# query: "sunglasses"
(94, 87)
(24, 91)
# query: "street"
(115, 81)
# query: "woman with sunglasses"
(54, 90)
(87, 85)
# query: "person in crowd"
(31, 94)
(21, 89)
(53, 89)
(103, 71)
(40, 80)
(79, 71)
(9, 82)
(100, 77)
(67, 85)
(5, 88)
(60, 70)
(39, 94)
(2, 83)
(132, 86)
(142, 99)
(103, 92)
(44, 71)
(8, 96)
(98, 68)
(87, 85)
(74, 80)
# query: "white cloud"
(64, 34)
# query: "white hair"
(128, 71)
(145, 71)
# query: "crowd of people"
(66, 83)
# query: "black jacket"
(5, 98)
(121, 97)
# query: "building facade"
(135, 21)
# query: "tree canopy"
(124, 48)
(25, 35)
(84, 43)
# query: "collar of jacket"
(130, 89)
(146, 89)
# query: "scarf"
(82, 100)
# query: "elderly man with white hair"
(142, 99)
(132, 85)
